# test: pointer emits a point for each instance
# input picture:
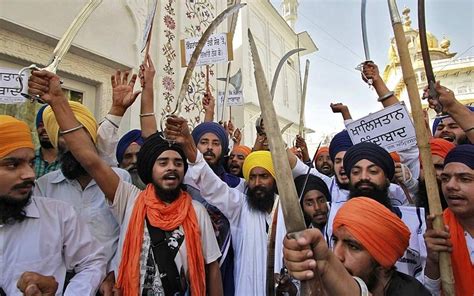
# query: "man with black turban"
(166, 244)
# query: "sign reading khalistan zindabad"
(390, 128)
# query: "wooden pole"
(447, 278)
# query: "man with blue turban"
(46, 156)
(127, 150)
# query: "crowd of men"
(195, 212)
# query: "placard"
(390, 128)
(218, 49)
(9, 86)
(234, 98)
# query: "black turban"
(340, 142)
(461, 153)
(153, 147)
(371, 152)
(314, 183)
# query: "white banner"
(217, 50)
(234, 98)
(9, 86)
(390, 128)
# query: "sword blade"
(280, 66)
(66, 40)
(197, 52)
(303, 98)
(286, 127)
(364, 29)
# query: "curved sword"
(365, 39)
(425, 53)
(290, 205)
(64, 43)
(286, 127)
(194, 58)
(303, 98)
(280, 66)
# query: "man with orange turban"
(457, 183)
(323, 162)
(368, 240)
(40, 238)
(236, 160)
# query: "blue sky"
(335, 27)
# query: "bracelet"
(385, 96)
(71, 130)
(111, 121)
(469, 129)
(147, 114)
(363, 287)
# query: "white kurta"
(248, 227)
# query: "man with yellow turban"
(72, 184)
(249, 214)
(368, 240)
(40, 238)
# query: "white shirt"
(50, 241)
(248, 227)
(122, 208)
(108, 138)
(90, 205)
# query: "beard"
(342, 186)
(168, 195)
(261, 198)
(70, 167)
(12, 209)
(422, 200)
(377, 193)
(136, 179)
(46, 144)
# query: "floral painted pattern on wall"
(169, 52)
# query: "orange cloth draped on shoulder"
(166, 217)
(463, 268)
(14, 134)
(380, 231)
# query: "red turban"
(14, 134)
(380, 231)
(440, 147)
(242, 149)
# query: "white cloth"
(122, 208)
(248, 227)
(50, 241)
(90, 205)
(108, 138)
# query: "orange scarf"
(463, 269)
(166, 217)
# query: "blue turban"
(133, 136)
(39, 115)
(439, 119)
(216, 129)
(461, 153)
(340, 142)
(372, 152)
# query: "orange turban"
(14, 134)
(440, 147)
(242, 149)
(262, 159)
(321, 150)
(380, 231)
(82, 114)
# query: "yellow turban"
(83, 115)
(14, 134)
(262, 159)
(380, 231)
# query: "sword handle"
(434, 95)
(20, 81)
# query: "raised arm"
(47, 86)
(343, 109)
(208, 103)
(462, 115)
(147, 108)
(371, 71)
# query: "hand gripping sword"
(364, 39)
(290, 205)
(63, 45)
(194, 58)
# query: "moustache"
(209, 153)
(24, 185)
(360, 183)
(171, 175)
